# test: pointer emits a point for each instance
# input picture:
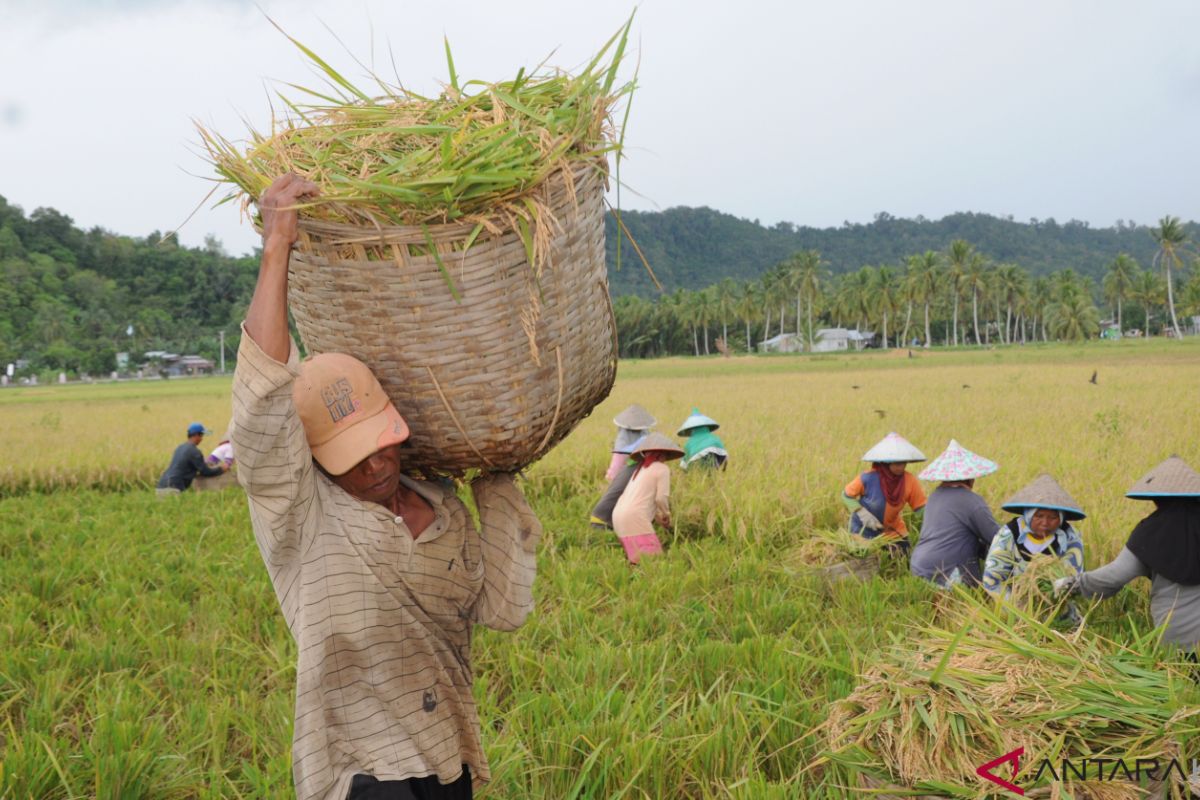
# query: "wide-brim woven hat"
(635, 418)
(696, 420)
(1045, 492)
(893, 449)
(1171, 478)
(660, 443)
(957, 463)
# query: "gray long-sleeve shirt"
(956, 532)
(1174, 603)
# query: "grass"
(142, 653)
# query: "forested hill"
(71, 299)
(692, 248)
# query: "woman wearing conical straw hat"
(958, 526)
(646, 500)
(1042, 526)
(703, 447)
(877, 497)
(602, 512)
(632, 424)
(1164, 547)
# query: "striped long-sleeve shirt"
(382, 621)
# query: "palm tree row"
(1006, 303)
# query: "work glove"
(1065, 585)
(868, 519)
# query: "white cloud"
(804, 112)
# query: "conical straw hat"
(629, 448)
(893, 449)
(696, 420)
(957, 463)
(1171, 478)
(1044, 492)
(635, 418)
(656, 441)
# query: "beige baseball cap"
(345, 412)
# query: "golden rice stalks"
(822, 548)
(954, 697)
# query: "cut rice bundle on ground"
(955, 696)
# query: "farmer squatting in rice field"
(877, 497)
(958, 526)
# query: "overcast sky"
(814, 113)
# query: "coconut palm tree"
(1171, 239)
(1041, 296)
(706, 310)
(685, 305)
(1149, 292)
(957, 260)
(1011, 282)
(925, 278)
(1118, 282)
(885, 286)
(725, 304)
(749, 308)
(808, 283)
(906, 294)
(841, 305)
(975, 278)
(1074, 318)
(775, 293)
(1189, 296)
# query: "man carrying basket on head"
(380, 578)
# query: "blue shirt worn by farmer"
(186, 463)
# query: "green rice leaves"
(478, 153)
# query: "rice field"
(142, 653)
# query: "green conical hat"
(1045, 492)
(696, 420)
(1171, 478)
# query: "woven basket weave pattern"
(490, 382)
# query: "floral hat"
(957, 463)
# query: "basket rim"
(336, 233)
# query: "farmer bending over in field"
(1164, 547)
(877, 497)
(187, 462)
(703, 447)
(379, 577)
(632, 424)
(646, 500)
(602, 512)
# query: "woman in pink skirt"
(645, 500)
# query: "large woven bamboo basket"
(490, 381)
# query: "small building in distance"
(782, 343)
(171, 365)
(832, 339)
